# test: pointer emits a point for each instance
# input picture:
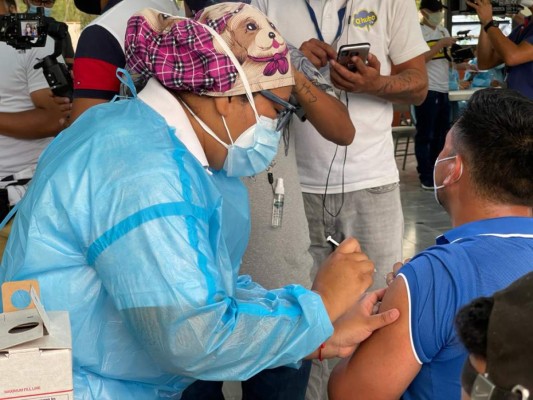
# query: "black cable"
(324, 207)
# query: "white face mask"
(435, 18)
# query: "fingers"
(359, 65)
(373, 297)
(318, 52)
(389, 278)
(65, 122)
(324, 47)
(349, 245)
(396, 267)
(373, 62)
(383, 319)
(341, 76)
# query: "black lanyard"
(312, 15)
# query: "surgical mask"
(526, 3)
(47, 11)
(435, 18)
(435, 187)
(255, 148)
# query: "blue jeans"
(373, 216)
(432, 124)
(282, 383)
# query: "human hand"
(65, 106)
(343, 277)
(463, 85)
(365, 79)
(395, 268)
(446, 42)
(357, 324)
(483, 9)
(318, 52)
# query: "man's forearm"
(504, 50)
(485, 51)
(326, 113)
(31, 124)
(428, 56)
(409, 86)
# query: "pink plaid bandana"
(184, 56)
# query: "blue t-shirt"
(519, 77)
(473, 260)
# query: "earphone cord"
(325, 210)
(324, 207)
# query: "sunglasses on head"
(285, 115)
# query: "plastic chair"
(403, 131)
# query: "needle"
(331, 240)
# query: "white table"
(461, 95)
(455, 97)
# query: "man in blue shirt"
(483, 178)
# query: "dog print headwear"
(184, 56)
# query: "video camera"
(460, 53)
(499, 7)
(24, 31)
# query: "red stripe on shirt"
(90, 73)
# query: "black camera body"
(499, 7)
(24, 31)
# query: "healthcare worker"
(136, 220)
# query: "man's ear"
(455, 171)
(222, 105)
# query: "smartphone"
(347, 51)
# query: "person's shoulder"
(96, 42)
(94, 34)
(433, 264)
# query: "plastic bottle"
(277, 204)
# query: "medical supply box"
(35, 347)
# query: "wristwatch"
(490, 24)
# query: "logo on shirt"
(364, 19)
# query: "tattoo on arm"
(402, 86)
(305, 91)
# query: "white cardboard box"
(35, 354)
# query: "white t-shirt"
(19, 80)
(115, 19)
(392, 29)
(438, 68)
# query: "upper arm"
(417, 63)
(372, 371)
(80, 105)
(98, 55)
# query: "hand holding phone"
(347, 51)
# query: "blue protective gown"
(125, 229)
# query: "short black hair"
(472, 323)
(495, 136)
